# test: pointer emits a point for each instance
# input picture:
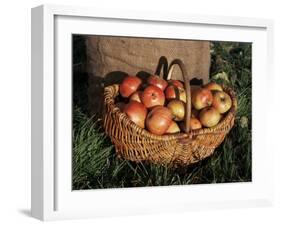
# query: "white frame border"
(43, 86)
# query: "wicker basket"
(180, 149)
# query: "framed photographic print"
(136, 113)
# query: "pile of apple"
(159, 105)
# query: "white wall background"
(15, 112)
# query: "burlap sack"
(109, 59)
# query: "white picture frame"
(52, 197)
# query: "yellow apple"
(201, 98)
(177, 108)
(209, 117)
(221, 101)
(213, 86)
(173, 128)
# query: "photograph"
(152, 111)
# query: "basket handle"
(162, 64)
(180, 64)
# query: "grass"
(95, 164)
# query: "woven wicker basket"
(180, 149)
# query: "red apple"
(222, 101)
(173, 92)
(158, 120)
(209, 117)
(136, 112)
(129, 85)
(173, 128)
(195, 124)
(152, 96)
(176, 83)
(201, 98)
(136, 96)
(213, 86)
(177, 108)
(157, 81)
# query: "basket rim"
(110, 92)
